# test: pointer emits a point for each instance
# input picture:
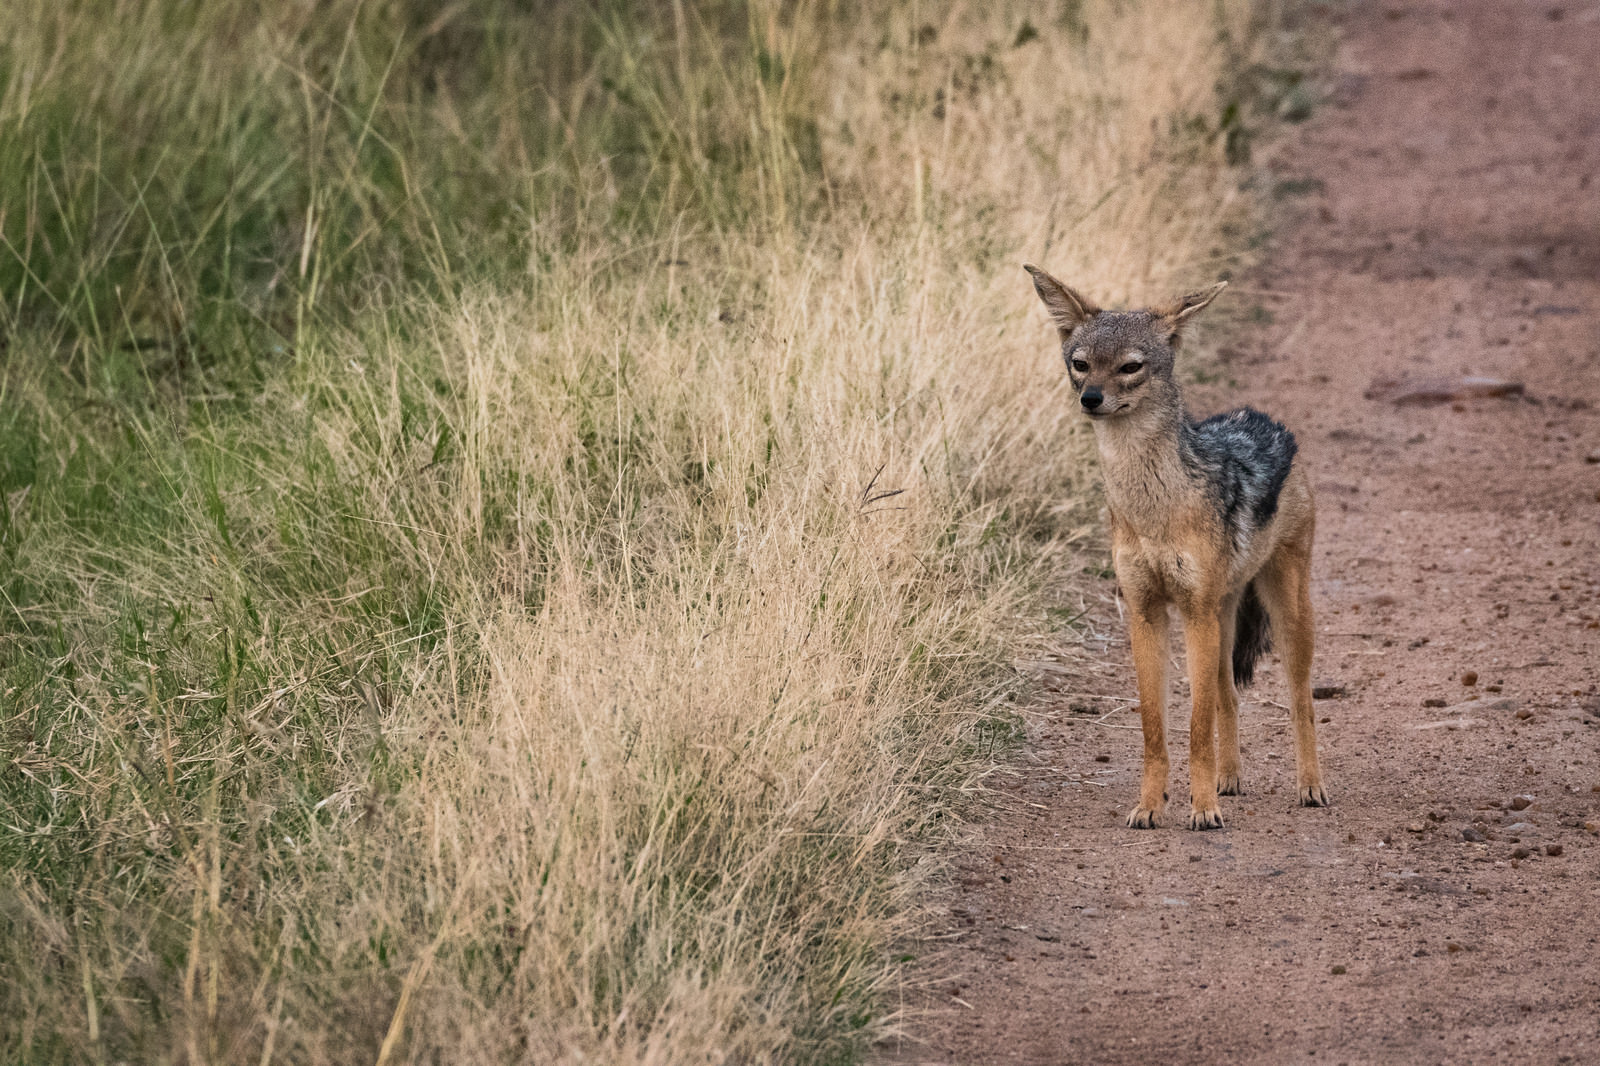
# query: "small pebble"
(1433, 701)
(1327, 692)
(1520, 803)
(1102, 758)
(1520, 853)
(1469, 678)
(1472, 836)
(1553, 849)
(1524, 714)
(1415, 827)
(1337, 970)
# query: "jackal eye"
(1130, 368)
(1080, 365)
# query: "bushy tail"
(1252, 636)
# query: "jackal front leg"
(1228, 782)
(1202, 639)
(1148, 633)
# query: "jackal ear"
(1181, 312)
(1067, 308)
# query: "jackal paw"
(1314, 795)
(1205, 817)
(1142, 817)
(1229, 784)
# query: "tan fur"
(1171, 552)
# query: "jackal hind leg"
(1148, 634)
(1285, 589)
(1228, 762)
(1203, 643)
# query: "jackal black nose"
(1092, 397)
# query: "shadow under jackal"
(1214, 517)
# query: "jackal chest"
(1164, 569)
(1176, 567)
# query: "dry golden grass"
(721, 531)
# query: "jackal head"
(1119, 362)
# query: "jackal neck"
(1141, 461)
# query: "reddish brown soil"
(1457, 231)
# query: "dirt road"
(1431, 915)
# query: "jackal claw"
(1314, 795)
(1142, 817)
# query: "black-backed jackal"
(1215, 517)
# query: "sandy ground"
(1451, 228)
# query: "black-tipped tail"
(1252, 636)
